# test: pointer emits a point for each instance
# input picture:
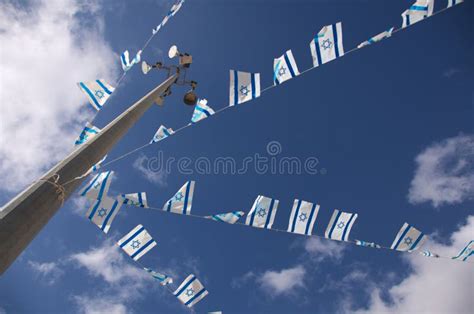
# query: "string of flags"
(326, 46)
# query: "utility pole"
(24, 216)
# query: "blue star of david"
(408, 241)
(135, 244)
(102, 212)
(244, 90)
(302, 217)
(282, 71)
(262, 212)
(341, 225)
(189, 292)
(99, 93)
(326, 44)
(178, 196)
(96, 185)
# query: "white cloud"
(320, 250)
(444, 172)
(435, 285)
(141, 164)
(125, 283)
(48, 272)
(47, 47)
(283, 282)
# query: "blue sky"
(391, 126)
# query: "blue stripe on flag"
(295, 217)
(186, 198)
(269, 216)
(313, 209)
(236, 88)
(132, 237)
(91, 184)
(402, 236)
(334, 224)
(169, 205)
(287, 60)
(275, 72)
(102, 186)
(336, 43)
(417, 241)
(347, 227)
(104, 224)
(252, 81)
(140, 200)
(87, 90)
(207, 113)
(195, 296)
(142, 248)
(94, 209)
(318, 50)
(418, 8)
(217, 218)
(186, 286)
(103, 87)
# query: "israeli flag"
(161, 133)
(243, 87)
(340, 225)
(262, 214)
(201, 111)
(97, 92)
(454, 2)
(88, 132)
(284, 68)
(137, 242)
(327, 44)
(377, 38)
(408, 239)
(420, 10)
(125, 59)
(230, 218)
(172, 12)
(428, 253)
(103, 212)
(367, 244)
(466, 252)
(162, 278)
(182, 201)
(98, 187)
(135, 199)
(191, 291)
(303, 216)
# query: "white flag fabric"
(244, 86)
(201, 111)
(340, 225)
(103, 212)
(137, 242)
(420, 10)
(466, 252)
(428, 253)
(408, 239)
(303, 216)
(97, 92)
(95, 167)
(377, 38)
(135, 199)
(98, 187)
(262, 214)
(191, 291)
(230, 218)
(454, 2)
(327, 44)
(284, 68)
(125, 59)
(87, 133)
(162, 278)
(174, 9)
(161, 133)
(182, 201)
(367, 244)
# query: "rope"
(60, 190)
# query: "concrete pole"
(24, 216)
